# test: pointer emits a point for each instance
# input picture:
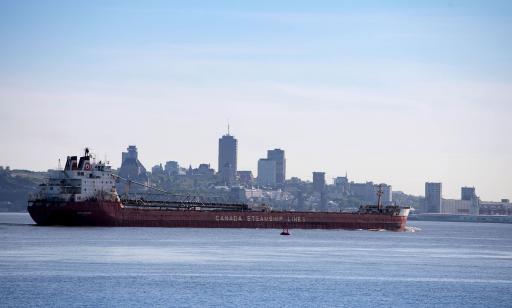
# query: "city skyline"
(401, 93)
(329, 179)
(289, 153)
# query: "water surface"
(441, 264)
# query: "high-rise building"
(319, 181)
(467, 193)
(266, 172)
(227, 157)
(433, 197)
(277, 155)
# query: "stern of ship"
(87, 213)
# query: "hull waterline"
(111, 213)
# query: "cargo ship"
(84, 194)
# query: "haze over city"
(386, 92)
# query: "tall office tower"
(277, 155)
(227, 157)
(467, 193)
(319, 181)
(433, 195)
(266, 172)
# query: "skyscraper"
(433, 195)
(227, 157)
(267, 172)
(319, 181)
(277, 155)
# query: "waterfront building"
(227, 158)
(433, 197)
(318, 181)
(277, 155)
(504, 207)
(452, 206)
(467, 193)
(266, 172)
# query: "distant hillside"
(15, 185)
(404, 199)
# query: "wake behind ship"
(84, 194)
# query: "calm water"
(443, 264)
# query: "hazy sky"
(400, 92)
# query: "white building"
(451, 206)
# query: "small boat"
(285, 232)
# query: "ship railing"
(189, 205)
(176, 198)
(388, 209)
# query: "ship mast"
(380, 192)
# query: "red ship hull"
(104, 213)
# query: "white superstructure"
(80, 181)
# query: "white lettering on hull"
(253, 218)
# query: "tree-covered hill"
(15, 185)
